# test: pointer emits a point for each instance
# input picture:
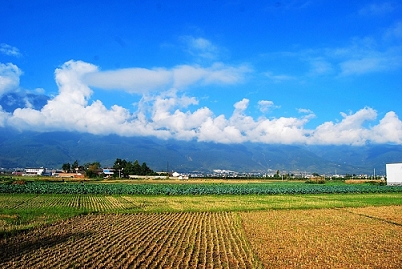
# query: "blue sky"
(309, 72)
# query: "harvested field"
(327, 238)
(236, 232)
(180, 240)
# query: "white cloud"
(201, 48)
(349, 130)
(167, 115)
(394, 32)
(9, 77)
(141, 80)
(134, 80)
(320, 67)
(389, 130)
(279, 78)
(363, 66)
(377, 9)
(9, 50)
(279, 131)
(265, 105)
(241, 105)
(305, 110)
(359, 56)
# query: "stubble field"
(284, 231)
(327, 238)
(166, 240)
(368, 237)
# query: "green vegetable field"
(192, 189)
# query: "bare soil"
(327, 238)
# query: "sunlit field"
(336, 230)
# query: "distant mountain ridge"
(51, 150)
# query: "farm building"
(34, 171)
(394, 173)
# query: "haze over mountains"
(52, 149)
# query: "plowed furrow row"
(171, 240)
(158, 257)
(202, 261)
(154, 244)
(210, 241)
(139, 236)
(194, 255)
(234, 250)
(183, 253)
(230, 262)
(174, 243)
(222, 256)
(179, 246)
(146, 230)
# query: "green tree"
(124, 168)
(92, 170)
(75, 166)
(136, 168)
(119, 166)
(66, 167)
(145, 170)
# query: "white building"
(35, 171)
(394, 173)
(109, 172)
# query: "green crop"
(191, 189)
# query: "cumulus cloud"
(167, 115)
(9, 77)
(265, 105)
(349, 130)
(9, 50)
(389, 130)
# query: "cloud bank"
(164, 111)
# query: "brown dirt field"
(369, 237)
(327, 238)
(171, 240)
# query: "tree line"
(126, 168)
(122, 168)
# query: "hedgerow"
(190, 189)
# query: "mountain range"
(52, 149)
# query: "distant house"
(179, 176)
(108, 172)
(34, 171)
(394, 173)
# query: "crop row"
(93, 203)
(177, 240)
(191, 189)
